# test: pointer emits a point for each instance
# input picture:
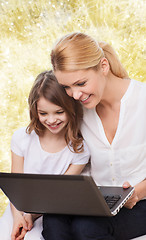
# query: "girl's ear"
(105, 67)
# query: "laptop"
(62, 194)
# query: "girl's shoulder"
(21, 141)
(85, 151)
(21, 134)
(82, 157)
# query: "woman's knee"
(57, 227)
(85, 228)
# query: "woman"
(114, 127)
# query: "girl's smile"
(51, 116)
(53, 126)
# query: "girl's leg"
(57, 227)
(6, 224)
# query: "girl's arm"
(21, 223)
(139, 193)
(75, 169)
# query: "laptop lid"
(60, 194)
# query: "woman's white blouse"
(124, 159)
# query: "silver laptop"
(62, 194)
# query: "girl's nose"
(51, 119)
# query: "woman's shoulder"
(139, 84)
(140, 90)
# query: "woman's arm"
(75, 169)
(139, 193)
(140, 189)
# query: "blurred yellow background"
(28, 29)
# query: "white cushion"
(140, 238)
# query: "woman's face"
(87, 86)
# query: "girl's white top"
(124, 159)
(36, 160)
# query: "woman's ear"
(105, 67)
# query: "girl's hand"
(19, 227)
(133, 199)
(29, 220)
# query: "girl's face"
(87, 86)
(51, 116)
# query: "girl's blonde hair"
(46, 86)
(78, 51)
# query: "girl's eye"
(60, 112)
(81, 84)
(42, 114)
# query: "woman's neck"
(109, 107)
(114, 90)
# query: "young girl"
(51, 144)
(114, 127)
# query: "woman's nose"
(76, 94)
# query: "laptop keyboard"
(112, 200)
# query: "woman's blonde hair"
(46, 86)
(78, 51)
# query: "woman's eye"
(65, 87)
(81, 84)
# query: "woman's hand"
(138, 194)
(133, 199)
(19, 227)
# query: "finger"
(13, 237)
(15, 233)
(130, 204)
(126, 185)
(22, 234)
(25, 225)
(30, 225)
